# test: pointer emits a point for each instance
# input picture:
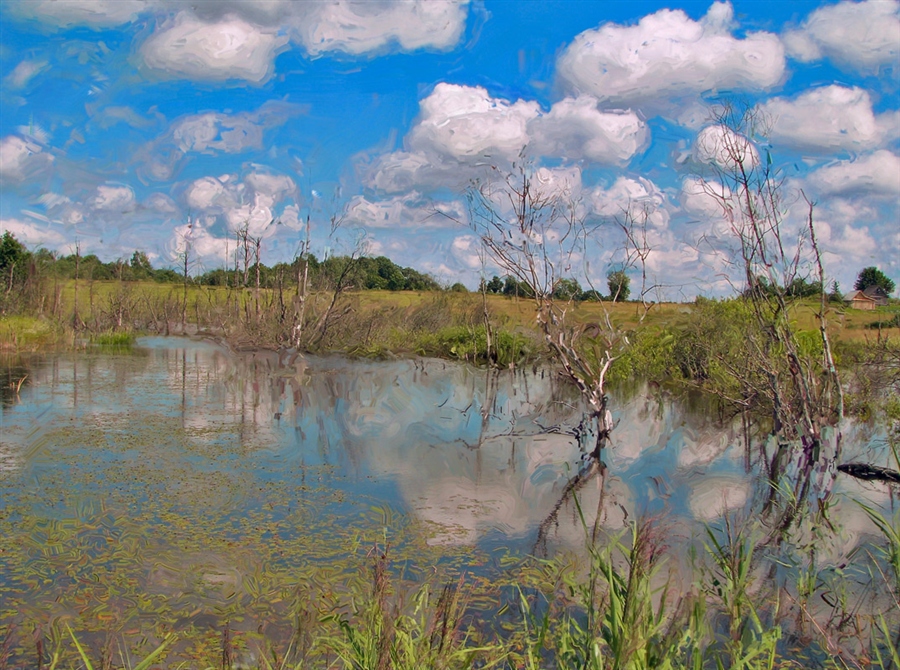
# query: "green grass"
(114, 340)
(29, 333)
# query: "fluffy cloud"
(161, 203)
(239, 40)
(407, 211)
(720, 146)
(251, 204)
(704, 199)
(829, 118)
(204, 246)
(874, 174)
(563, 183)
(467, 250)
(466, 124)
(218, 132)
(25, 72)
(210, 193)
(350, 26)
(94, 13)
(62, 208)
(631, 197)
(346, 26)
(667, 54)
(31, 234)
(270, 185)
(402, 171)
(462, 132)
(863, 35)
(230, 48)
(847, 245)
(575, 128)
(113, 199)
(364, 27)
(21, 158)
(211, 133)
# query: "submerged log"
(870, 472)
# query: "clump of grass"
(30, 333)
(628, 619)
(471, 344)
(380, 632)
(616, 616)
(114, 340)
(750, 644)
(144, 664)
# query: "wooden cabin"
(878, 294)
(859, 300)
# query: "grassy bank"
(361, 322)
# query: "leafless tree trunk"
(257, 242)
(533, 236)
(804, 393)
(186, 258)
(302, 287)
(76, 320)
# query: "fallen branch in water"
(870, 472)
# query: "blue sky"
(120, 119)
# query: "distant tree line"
(565, 289)
(800, 287)
(363, 273)
(20, 268)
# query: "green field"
(366, 321)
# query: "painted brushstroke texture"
(122, 119)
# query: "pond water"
(187, 484)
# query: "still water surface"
(168, 477)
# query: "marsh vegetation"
(545, 478)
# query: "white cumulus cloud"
(406, 211)
(210, 133)
(877, 173)
(112, 198)
(201, 243)
(629, 197)
(161, 203)
(24, 72)
(209, 193)
(230, 48)
(829, 118)
(270, 185)
(575, 128)
(863, 35)
(667, 54)
(356, 27)
(463, 131)
(251, 204)
(21, 158)
(216, 131)
(32, 234)
(93, 13)
(724, 148)
(465, 123)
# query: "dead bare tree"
(538, 236)
(802, 389)
(535, 236)
(184, 256)
(301, 261)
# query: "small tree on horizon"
(872, 276)
(619, 285)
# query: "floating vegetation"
(184, 508)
